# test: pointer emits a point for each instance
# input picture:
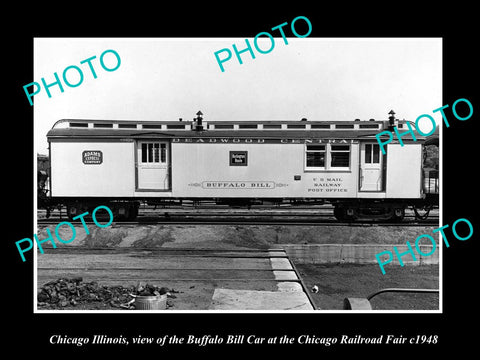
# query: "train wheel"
(132, 212)
(121, 212)
(75, 209)
(72, 211)
(351, 214)
(126, 211)
(345, 213)
(426, 210)
(398, 214)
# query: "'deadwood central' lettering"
(263, 141)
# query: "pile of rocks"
(71, 292)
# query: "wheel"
(423, 216)
(351, 214)
(73, 210)
(77, 208)
(122, 212)
(132, 212)
(127, 211)
(345, 213)
(398, 214)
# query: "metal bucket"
(151, 302)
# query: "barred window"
(154, 153)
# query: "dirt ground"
(337, 282)
(193, 295)
(236, 236)
(192, 275)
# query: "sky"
(171, 78)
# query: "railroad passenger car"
(121, 163)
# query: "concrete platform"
(228, 299)
(290, 294)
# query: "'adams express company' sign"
(92, 157)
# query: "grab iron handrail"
(402, 290)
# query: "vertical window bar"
(163, 153)
(156, 153)
(150, 153)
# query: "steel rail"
(402, 290)
(273, 223)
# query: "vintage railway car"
(121, 163)
(43, 168)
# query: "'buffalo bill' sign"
(92, 157)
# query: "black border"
(456, 25)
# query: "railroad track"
(205, 216)
(247, 221)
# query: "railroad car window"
(80, 125)
(368, 153)
(154, 153)
(319, 126)
(144, 153)
(100, 125)
(247, 126)
(315, 156)
(149, 126)
(225, 126)
(343, 126)
(376, 153)
(175, 126)
(295, 126)
(340, 155)
(127, 126)
(372, 153)
(163, 153)
(272, 126)
(368, 126)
